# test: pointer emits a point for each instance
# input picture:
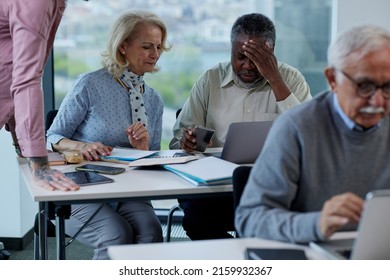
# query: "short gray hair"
(254, 24)
(124, 27)
(364, 39)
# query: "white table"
(134, 184)
(216, 249)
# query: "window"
(199, 32)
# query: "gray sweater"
(309, 156)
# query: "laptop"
(244, 141)
(373, 235)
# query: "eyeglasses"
(367, 89)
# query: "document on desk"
(164, 157)
(125, 154)
(206, 171)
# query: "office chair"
(173, 209)
(4, 254)
(239, 180)
(50, 118)
(52, 209)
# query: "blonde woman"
(111, 107)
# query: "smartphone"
(203, 137)
(101, 169)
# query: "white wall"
(349, 13)
(16, 207)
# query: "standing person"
(27, 30)
(110, 107)
(322, 158)
(253, 86)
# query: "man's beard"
(247, 85)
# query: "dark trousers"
(208, 218)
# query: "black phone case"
(274, 254)
(203, 137)
(110, 170)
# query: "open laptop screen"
(244, 141)
(373, 236)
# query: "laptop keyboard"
(213, 154)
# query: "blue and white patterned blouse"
(97, 109)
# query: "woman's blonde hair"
(124, 27)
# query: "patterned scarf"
(135, 85)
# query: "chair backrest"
(178, 112)
(240, 178)
(50, 118)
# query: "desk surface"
(220, 249)
(151, 183)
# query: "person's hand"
(188, 141)
(138, 136)
(263, 57)
(48, 178)
(339, 211)
(93, 150)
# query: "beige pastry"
(73, 156)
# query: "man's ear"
(330, 75)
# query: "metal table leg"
(60, 215)
(42, 228)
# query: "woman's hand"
(138, 136)
(93, 150)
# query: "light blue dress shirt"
(348, 122)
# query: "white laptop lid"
(244, 141)
(373, 235)
(373, 239)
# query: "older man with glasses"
(323, 157)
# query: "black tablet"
(274, 254)
(86, 178)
